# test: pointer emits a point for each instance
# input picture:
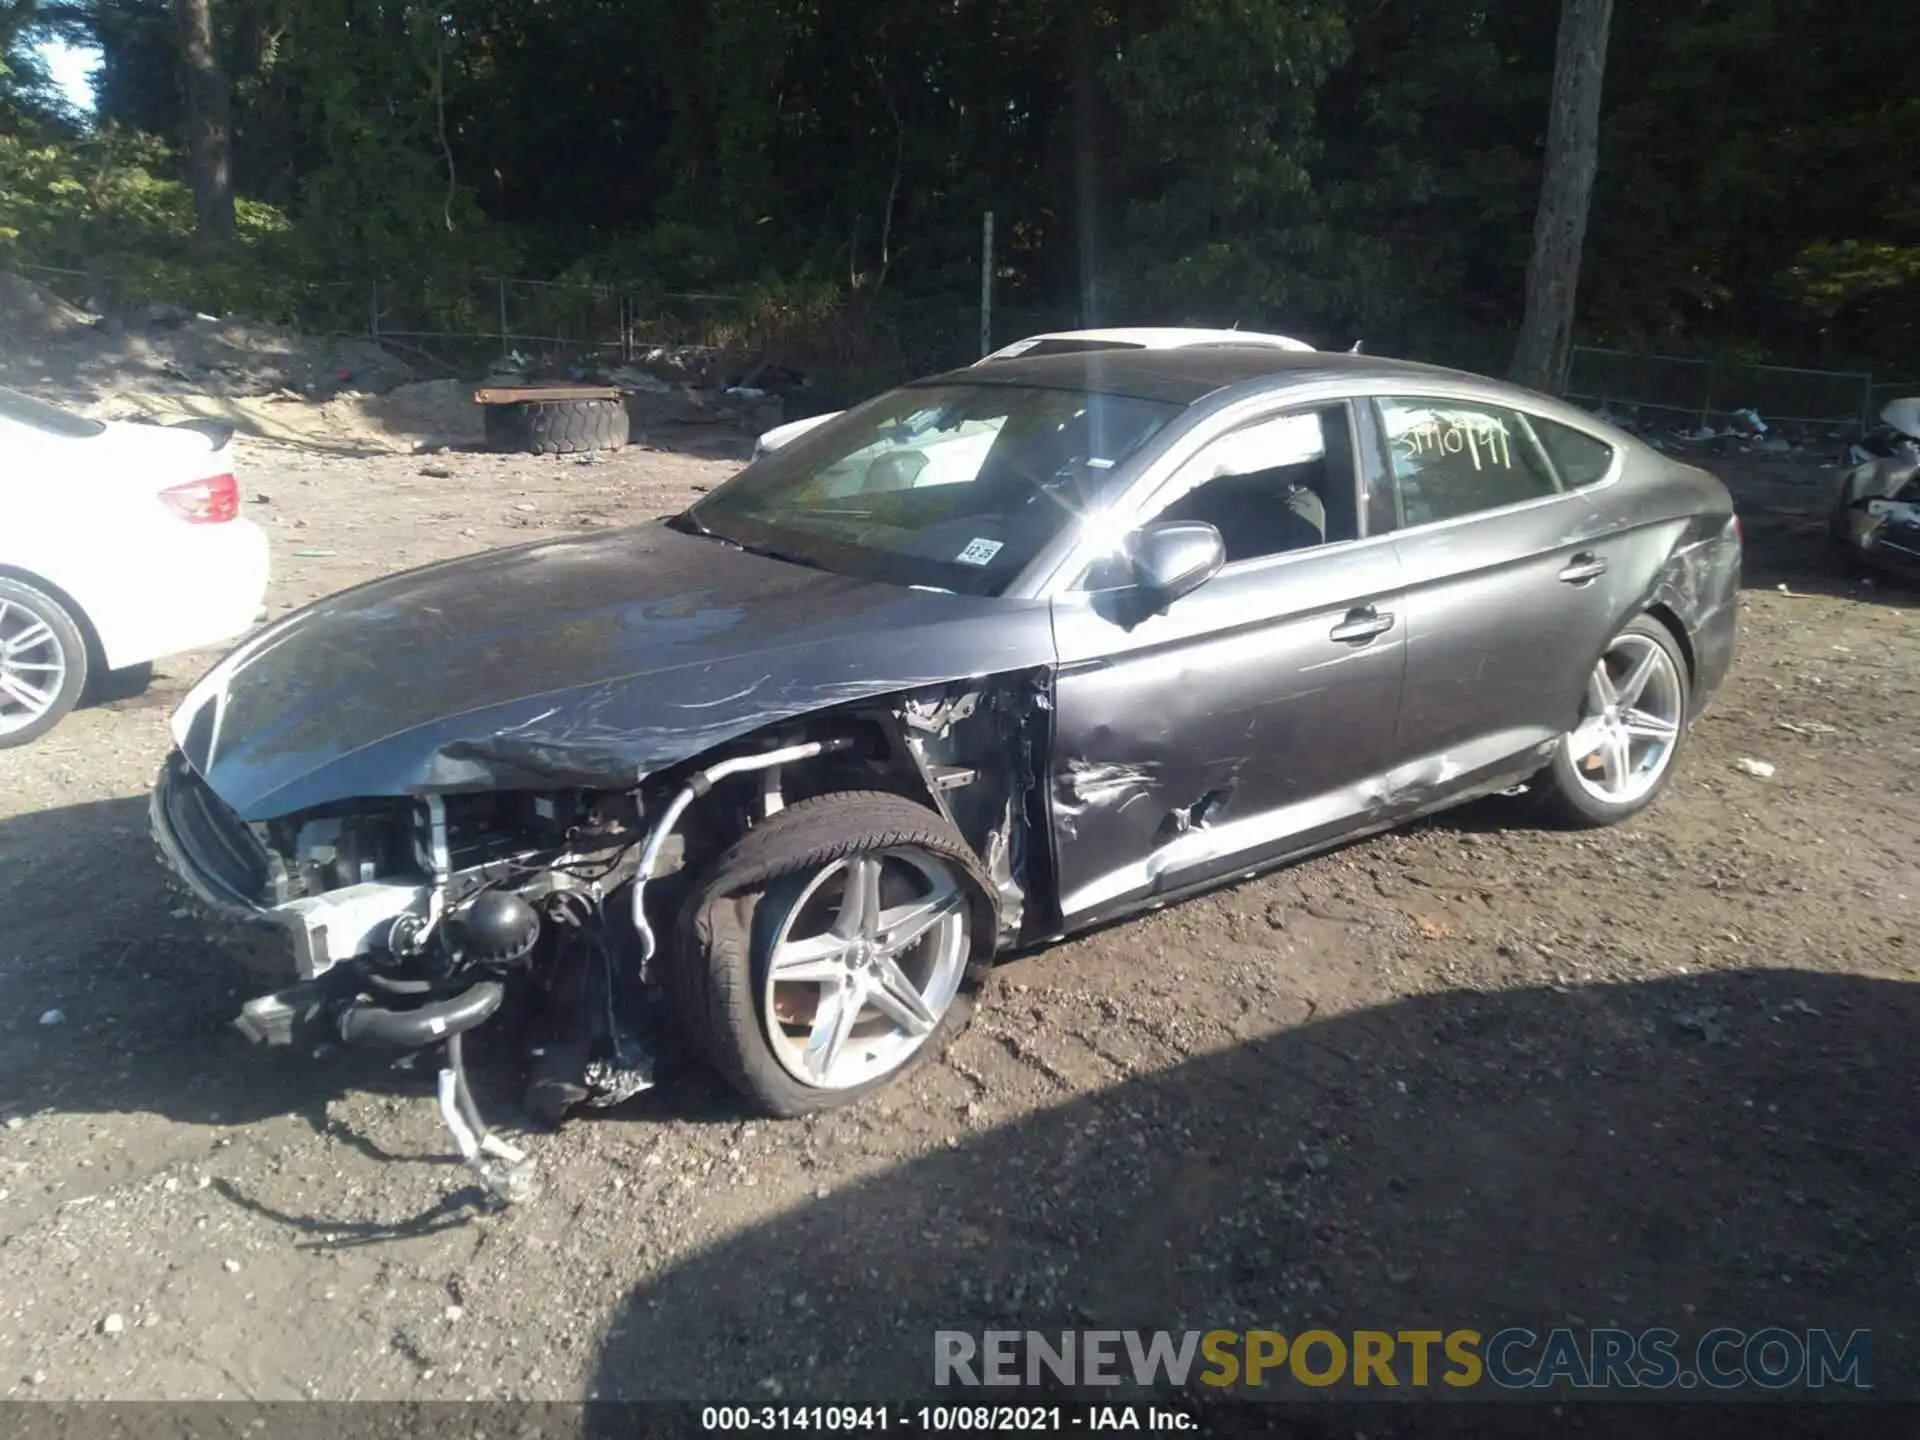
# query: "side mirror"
(1172, 558)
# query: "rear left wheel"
(827, 953)
(43, 663)
(1633, 723)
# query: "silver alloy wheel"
(865, 966)
(33, 667)
(1626, 738)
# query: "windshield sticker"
(979, 552)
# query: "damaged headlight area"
(1876, 508)
(407, 922)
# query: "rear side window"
(1580, 459)
(48, 419)
(1452, 458)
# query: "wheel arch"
(89, 632)
(1663, 612)
(1694, 594)
(971, 751)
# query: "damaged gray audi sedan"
(989, 659)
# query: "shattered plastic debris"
(610, 1082)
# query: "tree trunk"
(1086, 209)
(1566, 188)
(209, 126)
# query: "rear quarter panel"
(1675, 526)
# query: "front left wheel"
(43, 663)
(827, 953)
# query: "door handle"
(1361, 624)
(1584, 567)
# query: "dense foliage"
(1338, 168)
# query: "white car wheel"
(43, 663)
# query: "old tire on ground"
(557, 427)
(43, 663)
(1633, 724)
(830, 950)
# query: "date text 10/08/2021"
(936, 1419)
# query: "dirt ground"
(1472, 1074)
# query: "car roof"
(1183, 376)
(1153, 337)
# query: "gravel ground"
(1470, 1074)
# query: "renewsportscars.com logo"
(1515, 1358)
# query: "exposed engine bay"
(406, 922)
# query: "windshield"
(952, 487)
(37, 414)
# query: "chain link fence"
(1685, 390)
(466, 323)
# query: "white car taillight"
(211, 501)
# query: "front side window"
(1451, 458)
(1283, 483)
(952, 487)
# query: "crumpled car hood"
(590, 661)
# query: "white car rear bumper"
(210, 582)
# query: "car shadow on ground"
(146, 999)
(1733, 1149)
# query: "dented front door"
(1245, 723)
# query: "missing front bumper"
(217, 857)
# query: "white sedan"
(1063, 342)
(122, 543)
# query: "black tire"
(722, 939)
(66, 642)
(1570, 803)
(1843, 501)
(557, 427)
